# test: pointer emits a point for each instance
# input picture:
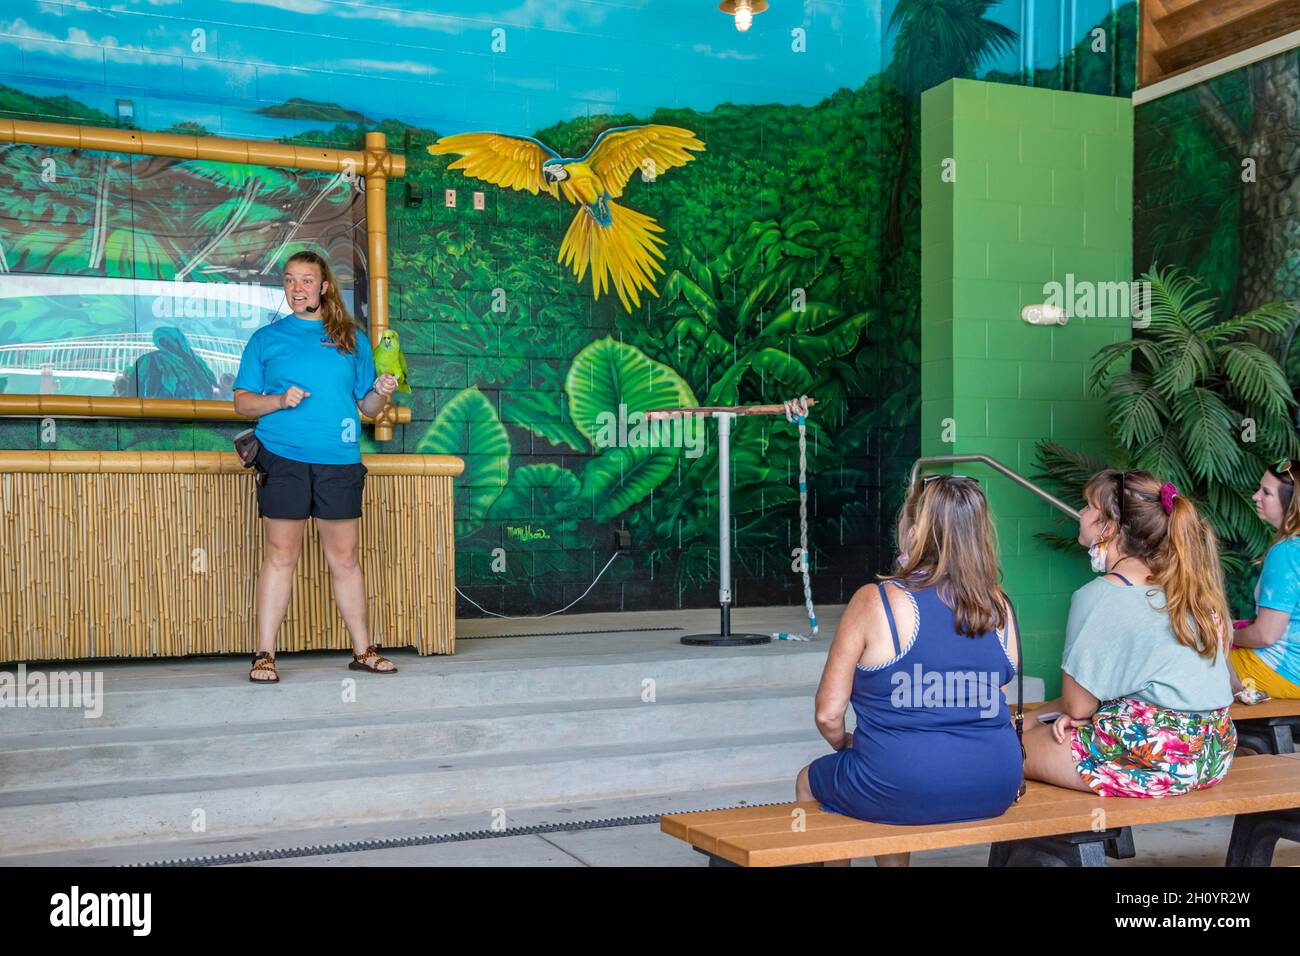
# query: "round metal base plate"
(729, 640)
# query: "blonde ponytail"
(1188, 569)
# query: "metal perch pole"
(724, 414)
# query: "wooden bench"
(1050, 826)
(1270, 728)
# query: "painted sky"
(400, 59)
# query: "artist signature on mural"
(528, 533)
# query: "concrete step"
(202, 693)
(198, 694)
(106, 753)
(197, 846)
(243, 803)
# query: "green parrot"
(389, 359)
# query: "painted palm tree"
(936, 40)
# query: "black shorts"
(298, 489)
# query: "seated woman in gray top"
(1145, 687)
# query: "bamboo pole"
(221, 149)
(112, 406)
(377, 257)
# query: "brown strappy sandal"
(359, 662)
(264, 661)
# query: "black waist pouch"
(246, 447)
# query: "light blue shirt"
(1119, 643)
(1279, 589)
(325, 427)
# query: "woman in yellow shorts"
(1267, 651)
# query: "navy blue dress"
(934, 741)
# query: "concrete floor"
(1198, 843)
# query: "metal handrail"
(997, 466)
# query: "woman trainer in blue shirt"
(307, 378)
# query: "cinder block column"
(1021, 187)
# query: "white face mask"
(1097, 555)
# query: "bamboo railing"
(114, 406)
(155, 554)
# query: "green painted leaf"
(540, 413)
(604, 376)
(544, 491)
(486, 451)
(119, 254)
(786, 374)
(832, 342)
(621, 477)
(151, 259)
(608, 373)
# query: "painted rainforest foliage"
(791, 266)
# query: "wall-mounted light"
(1045, 314)
(743, 11)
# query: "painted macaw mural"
(782, 260)
(617, 242)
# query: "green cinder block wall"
(1042, 189)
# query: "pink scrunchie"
(1168, 492)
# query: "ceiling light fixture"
(743, 11)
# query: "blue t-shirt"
(325, 427)
(1279, 589)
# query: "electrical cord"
(538, 617)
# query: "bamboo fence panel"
(155, 554)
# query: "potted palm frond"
(1194, 401)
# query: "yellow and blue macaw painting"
(617, 242)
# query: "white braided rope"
(796, 412)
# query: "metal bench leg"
(1260, 742)
(1268, 735)
(1074, 849)
(1255, 835)
(1283, 740)
(1122, 846)
(716, 860)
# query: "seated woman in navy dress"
(923, 657)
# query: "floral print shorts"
(1135, 749)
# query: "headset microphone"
(312, 308)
